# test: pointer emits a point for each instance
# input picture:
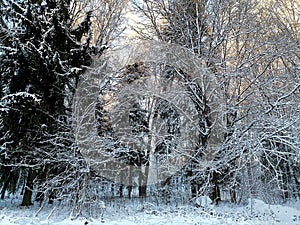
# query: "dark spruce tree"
(42, 54)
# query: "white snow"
(256, 212)
(203, 201)
(20, 94)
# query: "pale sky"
(132, 20)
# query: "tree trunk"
(194, 189)
(233, 196)
(112, 189)
(215, 194)
(143, 191)
(5, 185)
(143, 183)
(27, 196)
(130, 182)
(121, 186)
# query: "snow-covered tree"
(252, 49)
(43, 54)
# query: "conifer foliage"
(43, 52)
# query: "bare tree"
(147, 114)
(253, 50)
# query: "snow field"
(256, 212)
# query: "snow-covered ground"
(256, 212)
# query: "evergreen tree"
(42, 56)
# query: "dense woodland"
(218, 116)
